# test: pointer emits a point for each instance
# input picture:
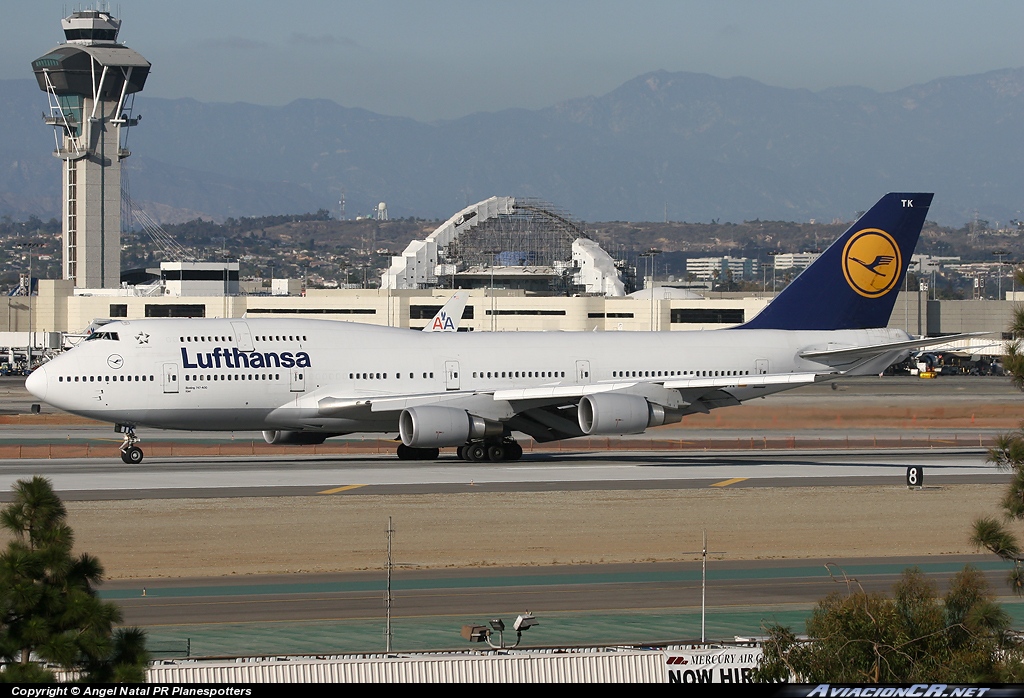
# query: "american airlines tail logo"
(872, 262)
(443, 323)
(221, 357)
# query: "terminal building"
(59, 307)
(721, 268)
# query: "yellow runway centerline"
(732, 481)
(336, 490)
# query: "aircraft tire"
(405, 452)
(477, 453)
(461, 453)
(132, 455)
(497, 453)
(429, 453)
(515, 451)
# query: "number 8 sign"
(915, 476)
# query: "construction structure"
(90, 81)
(508, 243)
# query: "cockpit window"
(103, 335)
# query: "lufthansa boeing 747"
(303, 381)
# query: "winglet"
(854, 283)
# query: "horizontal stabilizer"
(829, 356)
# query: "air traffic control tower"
(91, 81)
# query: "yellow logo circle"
(872, 262)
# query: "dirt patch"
(214, 537)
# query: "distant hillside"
(691, 146)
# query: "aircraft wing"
(719, 383)
(692, 388)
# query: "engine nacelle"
(431, 426)
(612, 413)
(294, 438)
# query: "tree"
(862, 637)
(49, 610)
(1008, 454)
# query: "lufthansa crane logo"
(872, 262)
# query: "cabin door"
(451, 375)
(582, 372)
(170, 378)
(243, 339)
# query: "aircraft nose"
(36, 383)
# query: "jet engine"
(295, 438)
(431, 426)
(612, 413)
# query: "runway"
(162, 478)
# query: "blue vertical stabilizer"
(854, 283)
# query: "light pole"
(703, 552)
(999, 255)
(387, 594)
(387, 253)
(651, 254)
(490, 292)
(906, 295)
(29, 246)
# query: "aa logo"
(443, 323)
(872, 262)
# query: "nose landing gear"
(130, 452)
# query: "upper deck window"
(103, 335)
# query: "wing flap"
(746, 381)
(711, 383)
(340, 407)
(560, 391)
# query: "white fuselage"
(266, 374)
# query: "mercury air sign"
(722, 665)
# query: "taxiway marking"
(336, 490)
(731, 481)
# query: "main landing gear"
(494, 451)
(412, 453)
(130, 452)
(475, 452)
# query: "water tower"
(91, 81)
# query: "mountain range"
(685, 146)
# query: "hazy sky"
(438, 59)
